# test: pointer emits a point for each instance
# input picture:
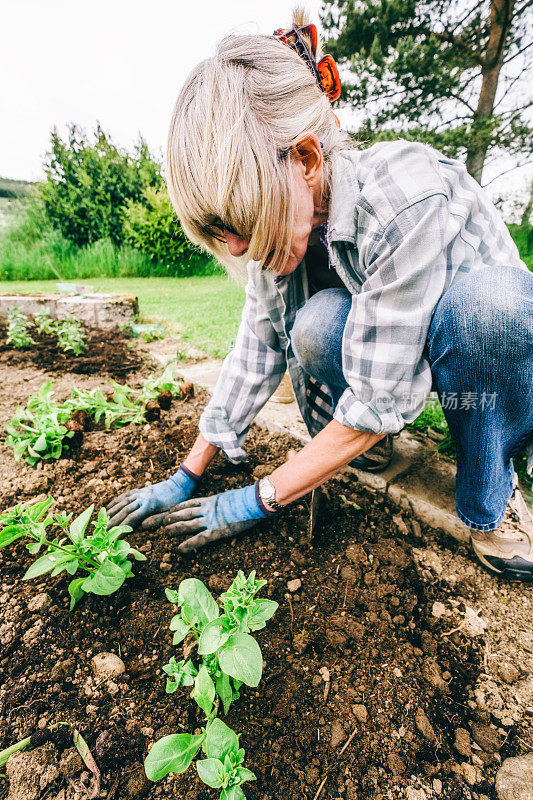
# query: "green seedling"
(164, 384)
(17, 329)
(102, 554)
(70, 336)
(38, 432)
(44, 322)
(228, 657)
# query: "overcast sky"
(116, 61)
(120, 62)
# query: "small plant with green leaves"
(70, 336)
(101, 553)
(43, 430)
(164, 385)
(228, 657)
(17, 329)
(39, 432)
(44, 322)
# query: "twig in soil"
(317, 795)
(348, 742)
(345, 596)
(288, 597)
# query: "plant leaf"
(180, 627)
(224, 691)
(211, 771)
(213, 636)
(75, 591)
(204, 691)
(233, 793)
(245, 774)
(43, 565)
(193, 592)
(172, 753)
(106, 579)
(221, 740)
(172, 595)
(78, 525)
(259, 612)
(241, 658)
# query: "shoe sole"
(515, 568)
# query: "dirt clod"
(107, 665)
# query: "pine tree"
(452, 73)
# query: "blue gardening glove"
(132, 507)
(211, 518)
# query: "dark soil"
(107, 352)
(363, 614)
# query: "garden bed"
(110, 353)
(358, 647)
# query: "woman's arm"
(200, 456)
(334, 447)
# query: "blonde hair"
(234, 123)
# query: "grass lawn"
(204, 311)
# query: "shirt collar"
(343, 195)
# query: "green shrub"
(89, 182)
(153, 228)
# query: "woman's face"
(309, 211)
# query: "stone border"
(105, 311)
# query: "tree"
(452, 73)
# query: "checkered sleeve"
(250, 374)
(407, 265)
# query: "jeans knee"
(318, 328)
(486, 311)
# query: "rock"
(294, 585)
(437, 785)
(462, 742)
(415, 794)
(31, 773)
(71, 763)
(338, 735)
(136, 783)
(106, 666)
(400, 524)
(433, 675)
(514, 779)
(360, 713)
(396, 765)
(473, 624)
(486, 737)
(424, 726)
(39, 602)
(438, 610)
(469, 773)
(509, 673)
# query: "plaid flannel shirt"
(404, 224)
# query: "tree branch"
(511, 169)
(445, 36)
(518, 53)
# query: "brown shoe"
(377, 458)
(508, 550)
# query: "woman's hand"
(133, 507)
(210, 518)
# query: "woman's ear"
(308, 150)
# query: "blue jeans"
(480, 347)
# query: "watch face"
(267, 491)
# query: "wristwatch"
(267, 493)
